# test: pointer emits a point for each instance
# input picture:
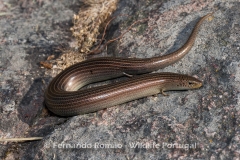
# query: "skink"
(64, 98)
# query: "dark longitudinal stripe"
(63, 98)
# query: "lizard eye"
(190, 83)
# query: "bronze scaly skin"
(64, 98)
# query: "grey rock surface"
(197, 124)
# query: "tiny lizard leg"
(128, 75)
(163, 93)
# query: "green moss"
(222, 38)
(141, 28)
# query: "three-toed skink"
(64, 98)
